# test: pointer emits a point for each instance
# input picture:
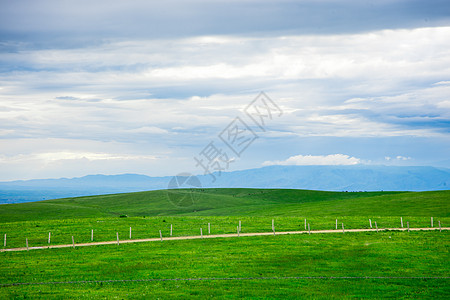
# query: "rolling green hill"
(235, 202)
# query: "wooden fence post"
(201, 232)
(49, 236)
(432, 222)
(401, 221)
(370, 223)
(309, 229)
(305, 224)
(130, 233)
(273, 226)
(117, 238)
(4, 243)
(209, 228)
(170, 229)
(73, 242)
(92, 235)
(336, 224)
(160, 235)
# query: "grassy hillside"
(236, 202)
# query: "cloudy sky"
(110, 87)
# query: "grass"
(386, 254)
(105, 229)
(236, 202)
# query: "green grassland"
(235, 202)
(385, 254)
(105, 229)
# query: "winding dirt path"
(211, 236)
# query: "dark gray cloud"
(74, 23)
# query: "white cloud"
(52, 156)
(445, 82)
(306, 160)
(30, 158)
(122, 65)
(397, 158)
(444, 104)
(149, 129)
(49, 157)
(173, 95)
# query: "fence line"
(220, 236)
(307, 226)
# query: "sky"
(157, 87)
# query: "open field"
(223, 208)
(236, 202)
(384, 256)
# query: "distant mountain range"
(329, 178)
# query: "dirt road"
(216, 236)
